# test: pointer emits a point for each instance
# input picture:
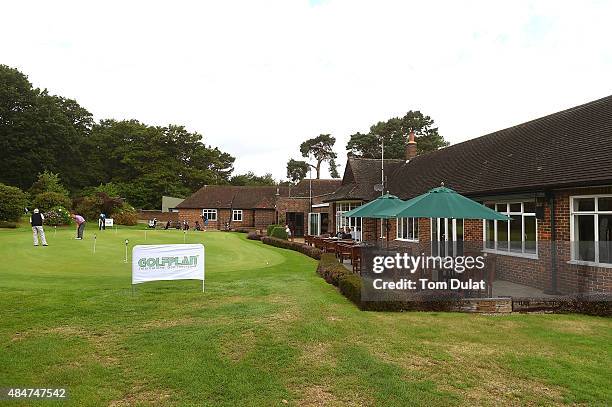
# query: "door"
(314, 224)
(446, 237)
(295, 220)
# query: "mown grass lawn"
(267, 331)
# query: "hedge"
(270, 228)
(7, 224)
(279, 232)
(296, 246)
(253, 236)
(330, 269)
(12, 203)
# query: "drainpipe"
(553, 245)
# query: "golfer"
(36, 220)
(102, 222)
(80, 221)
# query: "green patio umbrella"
(380, 208)
(376, 210)
(443, 202)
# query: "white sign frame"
(168, 262)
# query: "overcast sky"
(256, 78)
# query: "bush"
(298, 247)
(126, 215)
(7, 224)
(253, 236)
(48, 182)
(330, 269)
(91, 206)
(12, 203)
(350, 287)
(270, 228)
(57, 216)
(45, 201)
(279, 232)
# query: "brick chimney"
(411, 147)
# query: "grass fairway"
(267, 331)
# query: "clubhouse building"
(552, 176)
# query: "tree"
(48, 182)
(47, 200)
(322, 149)
(394, 132)
(145, 162)
(39, 132)
(251, 179)
(297, 170)
(12, 203)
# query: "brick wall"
(570, 278)
(256, 219)
(146, 215)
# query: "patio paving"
(502, 288)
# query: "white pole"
(94, 243)
(54, 231)
(126, 251)
(184, 235)
(382, 180)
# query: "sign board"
(167, 262)
(108, 222)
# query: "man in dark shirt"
(36, 220)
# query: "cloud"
(258, 78)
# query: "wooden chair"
(329, 246)
(308, 240)
(344, 250)
(356, 258)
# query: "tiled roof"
(319, 187)
(253, 197)
(569, 148)
(360, 176)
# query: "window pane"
(490, 234)
(459, 229)
(605, 204)
(605, 238)
(529, 207)
(501, 207)
(584, 204)
(490, 206)
(516, 234)
(584, 240)
(530, 234)
(502, 235)
(515, 207)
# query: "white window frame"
(595, 214)
(415, 230)
(507, 212)
(354, 223)
(207, 212)
(317, 216)
(236, 212)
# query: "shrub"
(12, 203)
(270, 228)
(126, 215)
(57, 216)
(330, 269)
(242, 230)
(350, 287)
(298, 247)
(92, 205)
(8, 225)
(45, 201)
(48, 182)
(253, 236)
(279, 232)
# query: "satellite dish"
(379, 187)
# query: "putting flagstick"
(184, 235)
(126, 250)
(94, 248)
(145, 235)
(54, 231)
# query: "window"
(237, 215)
(209, 214)
(408, 229)
(353, 223)
(591, 229)
(518, 236)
